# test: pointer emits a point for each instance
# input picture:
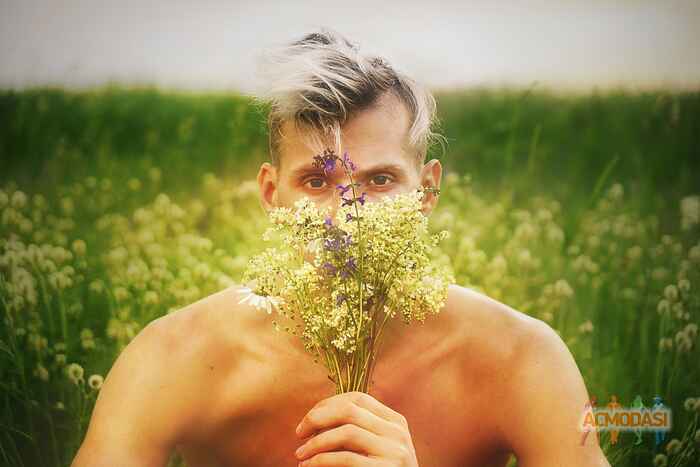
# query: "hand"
(354, 429)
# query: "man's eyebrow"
(358, 173)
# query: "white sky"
(207, 44)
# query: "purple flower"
(348, 217)
(331, 244)
(348, 162)
(325, 161)
(318, 161)
(343, 189)
(329, 165)
(348, 268)
(348, 201)
(361, 199)
(329, 268)
(328, 222)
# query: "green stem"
(52, 428)
(23, 378)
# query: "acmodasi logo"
(638, 418)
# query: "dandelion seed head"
(95, 382)
(660, 460)
(673, 447)
(75, 373)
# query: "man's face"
(376, 140)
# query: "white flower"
(683, 342)
(586, 326)
(95, 382)
(258, 301)
(694, 254)
(41, 372)
(563, 289)
(673, 446)
(616, 191)
(60, 359)
(684, 285)
(665, 343)
(75, 373)
(151, 298)
(689, 404)
(671, 293)
(19, 199)
(79, 247)
(634, 253)
(690, 212)
(660, 460)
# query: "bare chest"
(251, 420)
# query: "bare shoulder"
(531, 376)
(204, 338)
(491, 328)
(509, 338)
(202, 326)
(152, 395)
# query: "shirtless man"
(214, 381)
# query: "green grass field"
(120, 205)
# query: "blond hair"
(322, 79)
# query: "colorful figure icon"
(638, 404)
(614, 405)
(659, 435)
(589, 414)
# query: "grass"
(120, 205)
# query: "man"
(215, 382)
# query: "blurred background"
(128, 147)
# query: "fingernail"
(299, 450)
(299, 428)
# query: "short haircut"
(321, 80)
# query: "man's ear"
(430, 176)
(267, 182)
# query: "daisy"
(259, 301)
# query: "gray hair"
(321, 80)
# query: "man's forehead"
(380, 131)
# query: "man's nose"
(334, 202)
(336, 199)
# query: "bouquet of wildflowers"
(343, 277)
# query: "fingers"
(354, 429)
(368, 402)
(340, 459)
(341, 412)
(345, 437)
(373, 405)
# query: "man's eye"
(381, 180)
(315, 182)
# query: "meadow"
(120, 205)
